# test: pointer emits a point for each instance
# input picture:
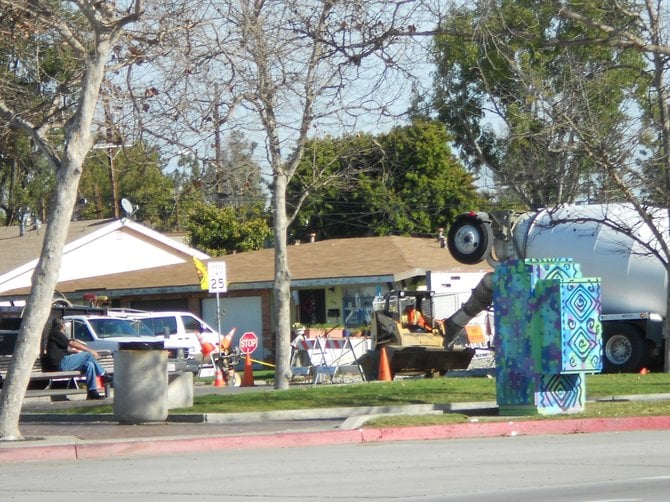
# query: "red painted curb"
(17, 452)
(516, 428)
(182, 445)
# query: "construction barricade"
(323, 357)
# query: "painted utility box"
(548, 336)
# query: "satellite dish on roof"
(128, 207)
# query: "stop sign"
(248, 342)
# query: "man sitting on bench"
(65, 354)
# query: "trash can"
(140, 382)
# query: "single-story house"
(332, 281)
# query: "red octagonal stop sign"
(248, 342)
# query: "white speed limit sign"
(217, 276)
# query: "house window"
(357, 310)
(312, 306)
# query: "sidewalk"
(51, 434)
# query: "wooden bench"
(57, 384)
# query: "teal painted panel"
(515, 364)
(581, 330)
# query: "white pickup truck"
(105, 333)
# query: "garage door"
(243, 313)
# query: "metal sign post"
(217, 284)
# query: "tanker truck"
(609, 241)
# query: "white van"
(180, 327)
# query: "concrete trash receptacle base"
(140, 386)
(180, 390)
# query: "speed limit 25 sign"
(217, 276)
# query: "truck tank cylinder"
(632, 280)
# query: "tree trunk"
(282, 287)
(38, 306)
(664, 165)
(666, 326)
(78, 141)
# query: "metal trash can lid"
(152, 345)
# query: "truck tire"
(470, 239)
(624, 348)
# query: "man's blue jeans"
(85, 362)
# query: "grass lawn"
(432, 391)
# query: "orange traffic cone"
(218, 378)
(205, 347)
(384, 366)
(248, 377)
(227, 340)
(644, 371)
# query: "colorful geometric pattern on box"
(560, 393)
(547, 328)
(581, 329)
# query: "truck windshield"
(110, 328)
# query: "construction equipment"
(403, 323)
(609, 241)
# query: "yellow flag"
(201, 270)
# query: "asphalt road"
(589, 467)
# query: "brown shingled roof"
(394, 256)
(354, 257)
